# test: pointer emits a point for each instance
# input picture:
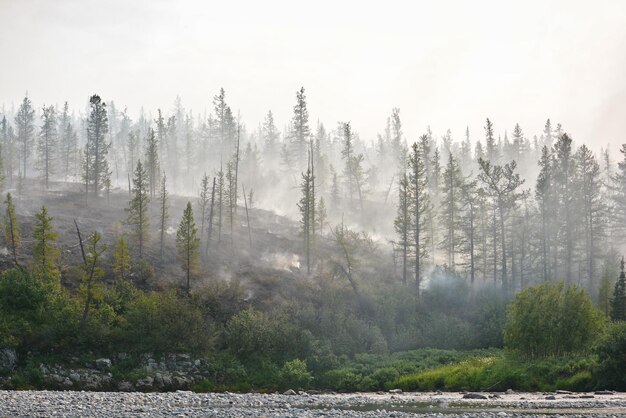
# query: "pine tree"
(470, 224)
(618, 303)
(46, 147)
(25, 129)
(97, 148)
(187, 244)
(270, 137)
(121, 259)
(45, 252)
(12, 229)
(163, 213)
(138, 209)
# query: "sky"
(445, 64)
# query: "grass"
(505, 371)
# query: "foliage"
(551, 319)
(611, 351)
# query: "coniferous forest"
(295, 253)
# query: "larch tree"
(545, 202)
(12, 229)
(163, 214)
(564, 175)
(419, 212)
(138, 209)
(589, 188)
(452, 185)
(306, 206)
(45, 251)
(152, 162)
(203, 201)
(97, 147)
(300, 130)
(502, 184)
(121, 259)
(25, 131)
(188, 244)
(47, 145)
(618, 302)
(402, 224)
(68, 144)
(93, 273)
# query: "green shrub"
(611, 351)
(294, 374)
(551, 319)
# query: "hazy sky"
(447, 64)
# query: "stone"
(395, 391)
(604, 392)
(124, 386)
(146, 382)
(290, 392)
(474, 395)
(563, 392)
(550, 398)
(8, 359)
(510, 392)
(103, 364)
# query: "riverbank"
(183, 403)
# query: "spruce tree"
(188, 244)
(451, 208)
(402, 224)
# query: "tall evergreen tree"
(419, 211)
(138, 209)
(188, 244)
(163, 213)
(47, 145)
(12, 229)
(152, 162)
(25, 130)
(97, 146)
(45, 252)
(300, 131)
(618, 303)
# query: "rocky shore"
(184, 403)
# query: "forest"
(306, 256)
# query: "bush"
(611, 351)
(551, 319)
(294, 374)
(165, 323)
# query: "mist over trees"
(508, 211)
